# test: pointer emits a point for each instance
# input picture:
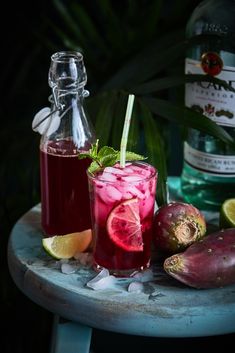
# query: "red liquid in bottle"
(64, 189)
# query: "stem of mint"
(125, 131)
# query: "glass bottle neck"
(68, 122)
(62, 98)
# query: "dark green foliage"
(134, 47)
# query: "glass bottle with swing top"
(66, 131)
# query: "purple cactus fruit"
(176, 226)
(208, 263)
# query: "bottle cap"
(46, 121)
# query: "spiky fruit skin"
(176, 226)
(209, 263)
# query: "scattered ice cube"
(144, 276)
(68, 268)
(38, 263)
(54, 264)
(156, 294)
(102, 281)
(137, 287)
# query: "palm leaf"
(154, 13)
(164, 83)
(112, 25)
(68, 41)
(118, 119)
(187, 117)
(148, 62)
(134, 142)
(69, 21)
(104, 119)
(88, 28)
(156, 152)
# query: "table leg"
(70, 337)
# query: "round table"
(165, 307)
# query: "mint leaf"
(105, 151)
(131, 156)
(82, 155)
(94, 149)
(93, 152)
(106, 157)
(109, 160)
(94, 167)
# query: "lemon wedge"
(66, 246)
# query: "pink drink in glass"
(122, 208)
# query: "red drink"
(122, 204)
(64, 189)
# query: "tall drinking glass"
(122, 208)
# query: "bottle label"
(215, 164)
(209, 98)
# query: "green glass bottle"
(208, 175)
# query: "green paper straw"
(126, 130)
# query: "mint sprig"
(106, 157)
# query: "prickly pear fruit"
(176, 226)
(209, 263)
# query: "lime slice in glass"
(124, 227)
(66, 246)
